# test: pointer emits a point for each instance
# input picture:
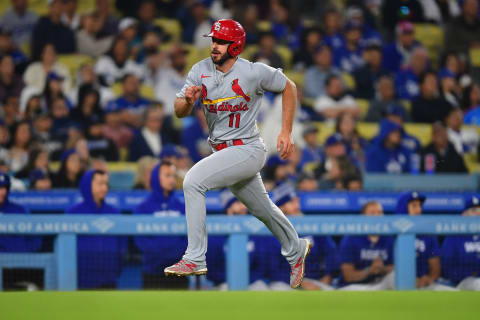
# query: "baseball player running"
(231, 90)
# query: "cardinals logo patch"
(238, 90)
(204, 92)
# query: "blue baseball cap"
(169, 150)
(395, 109)
(66, 154)
(334, 139)
(445, 73)
(275, 161)
(283, 193)
(471, 202)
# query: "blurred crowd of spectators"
(48, 113)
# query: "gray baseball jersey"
(231, 100)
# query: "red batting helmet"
(229, 30)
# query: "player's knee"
(189, 183)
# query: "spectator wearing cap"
(161, 251)
(357, 15)
(70, 17)
(398, 53)
(116, 64)
(367, 76)
(335, 101)
(130, 104)
(349, 56)
(396, 113)
(258, 248)
(386, 153)
(315, 76)
(408, 78)
(429, 106)
(440, 155)
(53, 90)
(40, 180)
(303, 57)
(459, 254)
(70, 172)
(385, 95)
(449, 88)
(312, 152)
(366, 262)
(307, 182)
(465, 140)
(168, 79)
(87, 37)
(322, 264)
(148, 140)
(128, 30)
(11, 84)
(17, 244)
(266, 51)
(463, 32)
(49, 29)
(333, 148)
(426, 247)
(276, 171)
(37, 72)
(19, 21)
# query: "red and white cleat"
(298, 269)
(185, 268)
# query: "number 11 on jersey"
(237, 120)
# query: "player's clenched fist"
(192, 94)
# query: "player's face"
(219, 52)
(374, 209)
(3, 194)
(168, 180)
(414, 208)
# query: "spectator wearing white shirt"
(335, 101)
(87, 38)
(113, 66)
(464, 140)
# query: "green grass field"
(119, 305)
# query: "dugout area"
(120, 305)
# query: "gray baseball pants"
(236, 167)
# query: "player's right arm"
(183, 106)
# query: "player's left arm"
(285, 144)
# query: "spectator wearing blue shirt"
(398, 54)
(161, 251)
(317, 74)
(312, 152)
(396, 113)
(426, 247)
(366, 262)
(99, 257)
(349, 56)
(333, 23)
(471, 104)
(130, 104)
(408, 78)
(258, 248)
(386, 153)
(17, 278)
(461, 254)
(322, 263)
